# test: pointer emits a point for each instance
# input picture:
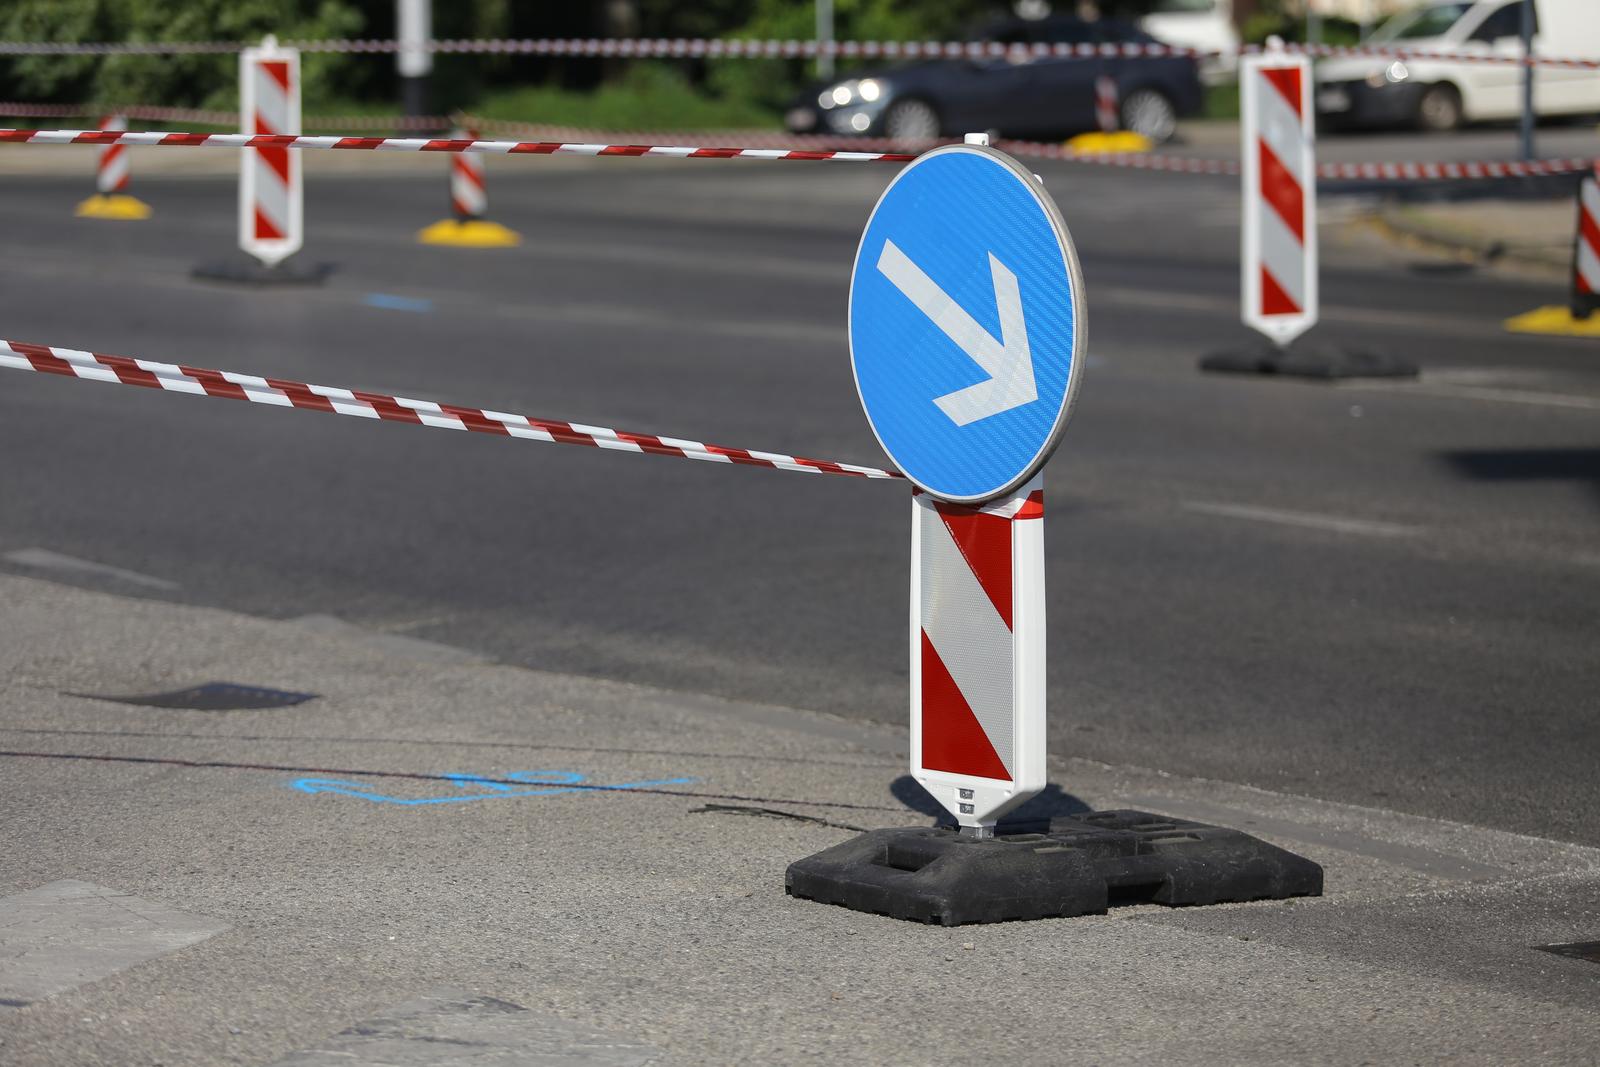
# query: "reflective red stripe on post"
(271, 196)
(111, 162)
(1279, 189)
(469, 199)
(1586, 248)
(977, 652)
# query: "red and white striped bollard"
(271, 189)
(111, 199)
(1586, 248)
(1106, 104)
(1279, 255)
(469, 199)
(978, 652)
(469, 202)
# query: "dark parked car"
(1032, 98)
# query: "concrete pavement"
(345, 922)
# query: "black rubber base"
(246, 270)
(1322, 361)
(1077, 865)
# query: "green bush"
(648, 96)
(1336, 31)
(175, 81)
(771, 83)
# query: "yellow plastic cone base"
(1120, 141)
(113, 206)
(1555, 320)
(471, 233)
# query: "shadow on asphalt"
(1527, 464)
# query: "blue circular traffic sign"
(966, 323)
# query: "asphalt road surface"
(1380, 594)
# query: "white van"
(1442, 94)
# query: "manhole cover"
(1578, 950)
(213, 696)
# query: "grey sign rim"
(1080, 324)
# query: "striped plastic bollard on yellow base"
(467, 228)
(1581, 316)
(111, 178)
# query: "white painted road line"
(44, 559)
(1307, 519)
(1431, 323)
(67, 933)
(1472, 392)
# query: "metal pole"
(1527, 79)
(414, 23)
(824, 36)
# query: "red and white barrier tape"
(420, 144)
(197, 117)
(279, 392)
(1133, 160)
(1430, 171)
(712, 48)
(745, 138)
(1482, 169)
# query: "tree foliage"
(772, 82)
(196, 80)
(459, 80)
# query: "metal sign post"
(271, 195)
(1279, 252)
(967, 335)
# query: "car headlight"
(838, 96)
(1396, 72)
(865, 91)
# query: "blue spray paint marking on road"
(553, 783)
(390, 302)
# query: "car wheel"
(1149, 113)
(911, 120)
(1439, 109)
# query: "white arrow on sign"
(1008, 361)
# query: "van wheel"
(1150, 114)
(911, 120)
(1439, 110)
